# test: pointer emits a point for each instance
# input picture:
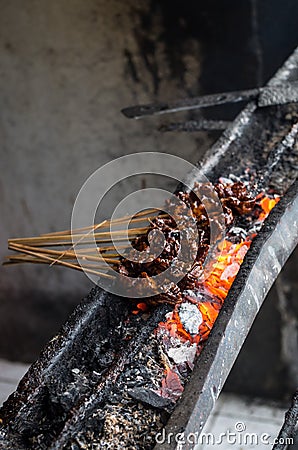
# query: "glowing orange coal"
(267, 204)
(175, 328)
(216, 287)
(140, 307)
(225, 269)
(209, 311)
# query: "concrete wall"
(67, 68)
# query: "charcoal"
(151, 398)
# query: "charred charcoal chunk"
(151, 398)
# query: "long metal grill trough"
(96, 383)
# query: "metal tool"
(265, 96)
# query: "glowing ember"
(171, 386)
(140, 307)
(226, 268)
(206, 300)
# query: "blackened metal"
(149, 397)
(96, 396)
(265, 96)
(276, 153)
(74, 373)
(212, 160)
(288, 429)
(138, 111)
(196, 125)
(278, 95)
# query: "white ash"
(169, 315)
(125, 425)
(225, 180)
(238, 231)
(182, 354)
(195, 294)
(190, 292)
(191, 318)
(233, 178)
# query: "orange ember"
(216, 287)
(267, 204)
(175, 328)
(141, 307)
(209, 313)
(226, 268)
(171, 386)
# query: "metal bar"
(288, 429)
(196, 125)
(269, 95)
(187, 104)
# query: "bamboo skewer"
(98, 237)
(91, 229)
(67, 264)
(121, 221)
(17, 259)
(78, 255)
(68, 254)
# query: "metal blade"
(269, 95)
(138, 111)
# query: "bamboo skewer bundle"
(105, 249)
(57, 248)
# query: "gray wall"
(67, 68)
